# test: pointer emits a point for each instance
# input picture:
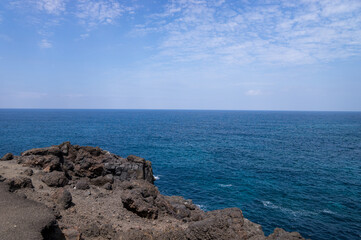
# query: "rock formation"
(89, 193)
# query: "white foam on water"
(328, 211)
(225, 185)
(156, 177)
(298, 213)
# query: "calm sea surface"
(297, 170)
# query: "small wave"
(156, 177)
(298, 213)
(269, 204)
(225, 185)
(328, 211)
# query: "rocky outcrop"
(92, 162)
(94, 194)
(18, 182)
(7, 157)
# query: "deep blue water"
(297, 170)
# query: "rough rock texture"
(280, 234)
(7, 157)
(62, 198)
(91, 162)
(94, 194)
(18, 182)
(55, 179)
(29, 172)
(82, 184)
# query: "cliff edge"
(74, 192)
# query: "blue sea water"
(297, 170)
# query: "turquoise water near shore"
(297, 170)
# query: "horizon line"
(183, 109)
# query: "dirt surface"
(21, 218)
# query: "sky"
(181, 54)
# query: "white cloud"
(51, 6)
(271, 32)
(92, 13)
(44, 43)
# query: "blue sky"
(185, 54)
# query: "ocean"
(297, 170)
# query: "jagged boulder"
(18, 182)
(218, 224)
(55, 179)
(53, 150)
(90, 162)
(7, 157)
(145, 200)
(62, 198)
(82, 184)
(139, 198)
(29, 172)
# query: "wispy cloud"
(51, 6)
(84, 36)
(240, 32)
(93, 13)
(44, 43)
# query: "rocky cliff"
(74, 192)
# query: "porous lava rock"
(7, 157)
(55, 179)
(62, 198)
(18, 182)
(82, 184)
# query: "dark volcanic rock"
(29, 172)
(55, 179)
(53, 150)
(2, 178)
(62, 198)
(219, 224)
(280, 234)
(18, 182)
(139, 198)
(91, 162)
(144, 199)
(46, 162)
(101, 180)
(82, 184)
(7, 157)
